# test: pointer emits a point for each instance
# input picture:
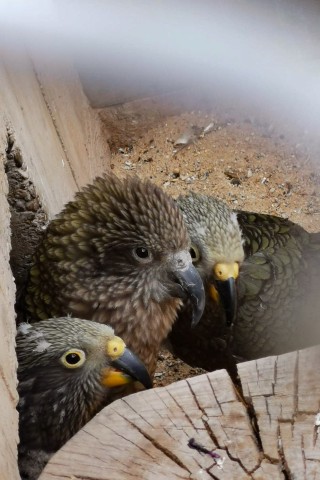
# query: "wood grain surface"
(266, 432)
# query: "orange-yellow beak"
(114, 378)
(125, 366)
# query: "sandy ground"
(249, 163)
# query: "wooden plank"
(8, 394)
(24, 111)
(57, 132)
(78, 126)
(62, 147)
(269, 433)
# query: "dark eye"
(73, 358)
(195, 254)
(142, 254)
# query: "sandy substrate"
(248, 163)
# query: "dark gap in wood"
(182, 410)
(161, 400)
(296, 383)
(8, 388)
(125, 438)
(255, 426)
(209, 472)
(160, 447)
(168, 432)
(250, 410)
(104, 447)
(205, 423)
(315, 434)
(212, 435)
(303, 454)
(253, 419)
(135, 411)
(275, 374)
(215, 396)
(59, 477)
(284, 465)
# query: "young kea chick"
(261, 272)
(118, 254)
(67, 372)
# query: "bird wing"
(279, 263)
(272, 245)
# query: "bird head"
(67, 371)
(216, 247)
(119, 245)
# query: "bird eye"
(195, 254)
(142, 254)
(73, 358)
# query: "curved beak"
(188, 279)
(125, 369)
(224, 288)
(229, 299)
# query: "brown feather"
(85, 265)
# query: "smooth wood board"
(59, 135)
(8, 362)
(268, 433)
(62, 145)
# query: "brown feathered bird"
(267, 265)
(118, 254)
(68, 370)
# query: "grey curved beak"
(131, 365)
(229, 298)
(192, 288)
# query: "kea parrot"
(262, 277)
(118, 254)
(68, 369)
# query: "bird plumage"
(65, 367)
(117, 254)
(278, 304)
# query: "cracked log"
(269, 433)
